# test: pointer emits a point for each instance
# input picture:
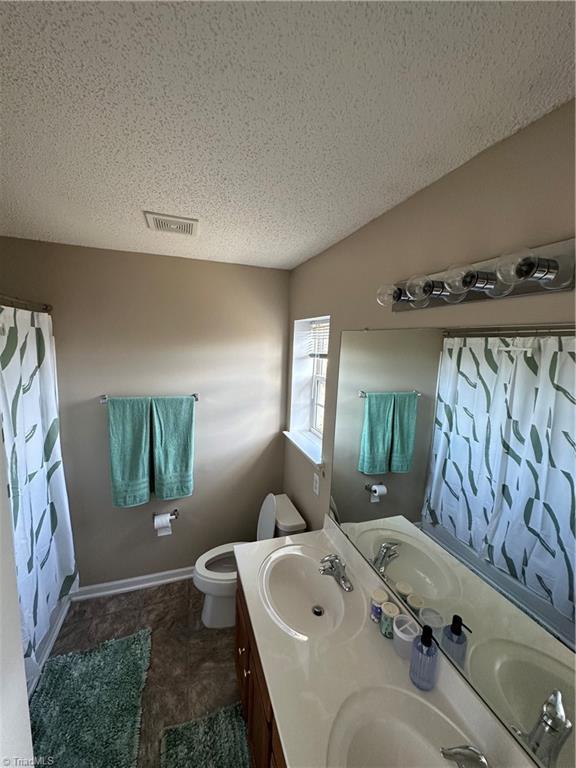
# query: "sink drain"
(317, 610)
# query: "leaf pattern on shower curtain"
(45, 562)
(503, 457)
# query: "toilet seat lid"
(267, 518)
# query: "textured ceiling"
(282, 127)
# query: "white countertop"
(309, 680)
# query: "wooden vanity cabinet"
(263, 739)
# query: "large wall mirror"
(454, 476)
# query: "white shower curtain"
(504, 456)
(45, 562)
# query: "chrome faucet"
(550, 731)
(465, 756)
(387, 552)
(332, 565)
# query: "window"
(309, 363)
(319, 353)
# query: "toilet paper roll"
(162, 524)
(376, 492)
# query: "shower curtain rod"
(32, 306)
(554, 329)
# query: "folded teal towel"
(404, 431)
(387, 441)
(173, 446)
(129, 431)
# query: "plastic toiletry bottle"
(424, 660)
(379, 596)
(454, 640)
(389, 613)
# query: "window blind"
(318, 338)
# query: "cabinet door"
(260, 681)
(259, 731)
(242, 653)
(277, 751)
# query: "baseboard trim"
(130, 585)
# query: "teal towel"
(387, 442)
(404, 431)
(129, 432)
(173, 446)
(376, 442)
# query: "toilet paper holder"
(376, 491)
(368, 486)
(162, 522)
(174, 515)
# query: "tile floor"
(191, 668)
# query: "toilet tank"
(288, 519)
(278, 516)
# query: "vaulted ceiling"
(282, 127)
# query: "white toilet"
(215, 571)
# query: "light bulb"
(499, 290)
(453, 298)
(487, 282)
(454, 280)
(553, 274)
(385, 295)
(507, 266)
(418, 290)
(416, 287)
(390, 294)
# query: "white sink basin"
(304, 603)
(517, 679)
(428, 575)
(389, 727)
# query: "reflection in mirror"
(453, 475)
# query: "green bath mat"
(215, 741)
(86, 708)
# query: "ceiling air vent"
(162, 222)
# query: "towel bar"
(362, 393)
(104, 398)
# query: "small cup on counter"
(415, 602)
(379, 596)
(389, 613)
(433, 619)
(405, 629)
(404, 589)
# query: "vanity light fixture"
(527, 271)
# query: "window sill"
(308, 445)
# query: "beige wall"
(519, 192)
(128, 323)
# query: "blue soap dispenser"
(454, 640)
(424, 660)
